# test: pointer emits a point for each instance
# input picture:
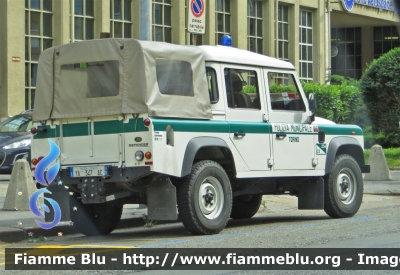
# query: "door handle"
(280, 135)
(239, 135)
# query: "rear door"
(92, 141)
(244, 114)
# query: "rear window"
(16, 124)
(174, 77)
(89, 79)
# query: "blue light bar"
(226, 40)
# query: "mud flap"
(161, 200)
(311, 195)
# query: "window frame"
(256, 20)
(30, 64)
(123, 20)
(216, 84)
(225, 14)
(281, 23)
(163, 26)
(308, 60)
(256, 80)
(295, 83)
(85, 18)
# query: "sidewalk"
(15, 225)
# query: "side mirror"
(312, 103)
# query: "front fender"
(345, 145)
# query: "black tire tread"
(330, 206)
(186, 203)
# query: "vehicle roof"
(237, 56)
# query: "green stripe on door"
(186, 125)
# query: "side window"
(174, 77)
(285, 94)
(242, 89)
(212, 85)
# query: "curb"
(382, 193)
(10, 234)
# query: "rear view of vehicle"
(95, 100)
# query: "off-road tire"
(200, 212)
(343, 188)
(94, 219)
(246, 206)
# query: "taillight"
(35, 130)
(146, 121)
(35, 161)
(147, 155)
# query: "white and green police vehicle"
(200, 131)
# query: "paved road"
(278, 225)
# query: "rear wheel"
(343, 188)
(94, 219)
(246, 206)
(205, 198)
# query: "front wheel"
(205, 198)
(343, 188)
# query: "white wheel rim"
(346, 185)
(211, 198)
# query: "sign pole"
(195, 39)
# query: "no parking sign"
(197, 16)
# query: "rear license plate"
(89, 171)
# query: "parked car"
(15, 140)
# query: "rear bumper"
(117, 175)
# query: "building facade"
(320, 37)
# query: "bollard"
(20, 188)
(378, 164)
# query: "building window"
(306, 47)
(283, 32)
(223, 19)
(83, 21)
(162, 29)
(190, 36)
(254, 22)
(346, 52)
(38, 37)
(121, 18)
(385, 39)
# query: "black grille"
(2, 157)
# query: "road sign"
(197, 16)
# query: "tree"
(380, 87)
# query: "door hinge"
(315, 161)
(265, 117)
(270, 161)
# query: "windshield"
(16, 124)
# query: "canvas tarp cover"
(119, 76)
